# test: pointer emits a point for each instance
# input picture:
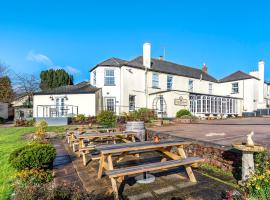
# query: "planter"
(183, 121)
(138, 127)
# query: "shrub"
(20, 122)
(41, 127)
(50, 192)
(2, 120)
(106, 119)
(183, 112)
(30, 122)
(80, 118)
(24, 122)
(32, 156)
(258, 185)
(143, 114)
(34, 176)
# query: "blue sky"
(76, 35)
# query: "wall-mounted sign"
(180, 101)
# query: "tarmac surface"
(224, 132)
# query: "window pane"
(131, 102)
(235, 88)
(110, 106)
(210, 88)
(155, 80)
(109, 77)
(190, 85)
(94, 78)
(169, 82)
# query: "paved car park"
(223, 132)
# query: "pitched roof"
(81, 88)
(236, 76)
(117, 62)
(172, 68)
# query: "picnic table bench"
(126, 136)
(70, 133)
(165, 147)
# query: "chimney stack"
(147, 55)
(161, 58)
(204, 68)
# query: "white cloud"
(72, 70)
(39, 58)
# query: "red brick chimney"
(204, 68)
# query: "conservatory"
(216, 105)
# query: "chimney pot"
(161, 58)
(204, 68)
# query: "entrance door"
(110, 104)
(60, 106)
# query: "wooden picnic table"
(125, 136)
(70, 133)
(164, 146)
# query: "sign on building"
(180, 101)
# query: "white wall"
(86, 103)
(108, 91)
(133, 84)
(179, 83)
(4, 110)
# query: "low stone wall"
(224, 157)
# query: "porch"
(56, 111)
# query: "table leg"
(188, 168)
(101, 164)
(113, 181)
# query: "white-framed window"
(155, 80)
(210, 88)
(235, 88)
(110, 104)
(190, 85)
(94, 78)
(131, 102)
(109, 78)
(169, 82)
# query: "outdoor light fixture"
(51, 97)
(65, 97)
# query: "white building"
(168, 87)
(123, 86)
(67, 101)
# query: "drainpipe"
(243, 95)
(146, 89)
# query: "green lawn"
(11, 138)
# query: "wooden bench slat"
(140, 146)
(152, 167)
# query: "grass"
(10, 139)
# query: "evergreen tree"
(54, 78)
(6, 91)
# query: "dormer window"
(109, 78)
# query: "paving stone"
(146, 195)
(164, 190)
(185, 184)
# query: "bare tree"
(3, 69)
(26, 84)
